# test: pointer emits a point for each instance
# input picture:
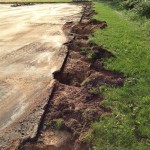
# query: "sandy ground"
(31, 49)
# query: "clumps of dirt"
(74, 72)
(89, 14)
(67, 29)
(87, 28)
(97, 23)
(99, 78)
(52, 140)
(74, 106)
(101, 52)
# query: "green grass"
(128, 126)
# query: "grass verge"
(128, 127)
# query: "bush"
(129, 4)
(140, 7)
(143, 9)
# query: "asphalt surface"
(31, 50)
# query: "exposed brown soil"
(73, 107)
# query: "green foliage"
(141, 7)
(128, 126)
(94, 91)
(83, 49)
(58, 124)
(55, 124)
(99, 90)
(86, 136)
(129, 4)
(116, 134)
(91, 55)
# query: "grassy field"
(128, 127)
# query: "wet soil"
(73, 106)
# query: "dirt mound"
(74, 105)
(89, 14)
(86, 28)
(99, 78)
(52, 137)
(74, 73)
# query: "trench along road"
(31, 50)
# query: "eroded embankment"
(75, 104)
